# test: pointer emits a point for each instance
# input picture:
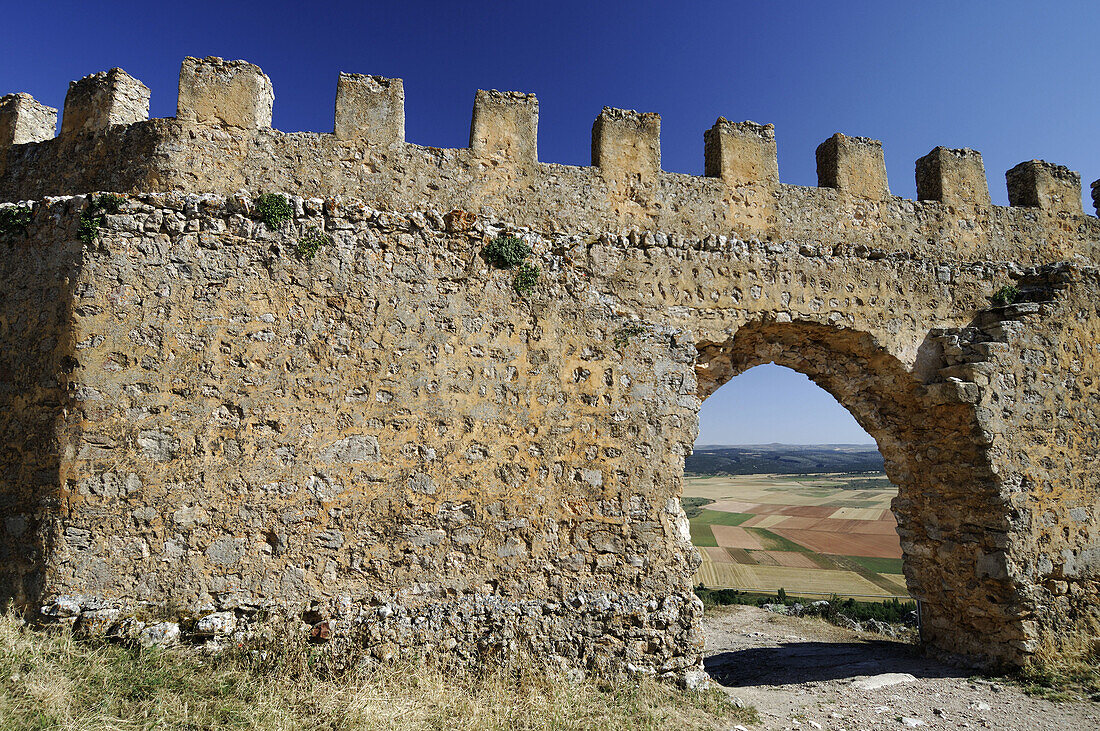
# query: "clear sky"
(1015, 79)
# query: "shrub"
(91, 220)
(526, 278)
(1006, 295)
(14, 221)
(273, 209)
(311, 242)
(626, 334)
(506, 252)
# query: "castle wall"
(390, 441)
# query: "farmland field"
(812, 534)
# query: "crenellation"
(23, 120)
(625, 142)
(854, 165)
(101, 100)
(214, 91)
(953, 176)
(371, 109)
(741, 153)
(505, 124)
(1040, 184)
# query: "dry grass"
(51, 680)
(1066, 665)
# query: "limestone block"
(625, 141)
(741, 153)
(1040, 184)
(23, 120)
(854, 165)
(224, 93)
(505, 123)
(370, 108)
(956, 177)
(100, 100)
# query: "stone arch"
(952, 517)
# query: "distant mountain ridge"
(783, 459)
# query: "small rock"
(912, 721)
(321, 632)
(218, 623)
(62, 606)
(159, 634)
(883, 681)
(696, 680)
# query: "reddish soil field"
(851, 544)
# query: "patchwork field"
(813, 534)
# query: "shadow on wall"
(37, 275)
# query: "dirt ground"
(807, 674)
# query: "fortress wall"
(385, 432)
(391, 443)
(220, 142)
(37, 276)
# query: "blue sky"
(1015, 80)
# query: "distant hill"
(783, 459)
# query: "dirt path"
(806, 674)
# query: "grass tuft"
(51, 680)
(1066, 664)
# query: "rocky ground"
(806, 674)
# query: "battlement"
(221, 141)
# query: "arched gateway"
(410, 446)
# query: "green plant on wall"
(510, 252)
(310, 242)
(1006, 295)
(506, 252)
(273, 209)
(95, 214)
(628, 333)
(527, 276)
(14, 221)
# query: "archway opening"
(951, 513)
(786, 492)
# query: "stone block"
(505, 124)
(625, 141)
(101, 100)
(370, 108)
(1040, 184)
(224, 93)
(23, 120)
(741, 153)
(955, 177)
(854, 165)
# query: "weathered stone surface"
(104, 99)
(1044, 185)
(955, 177)
(370, 108)
(625, 142)
(741, 153)
(854, 165)
(505, 124)
(390, 441)
(24, 120)
(214, 91)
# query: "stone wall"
(392, 443)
